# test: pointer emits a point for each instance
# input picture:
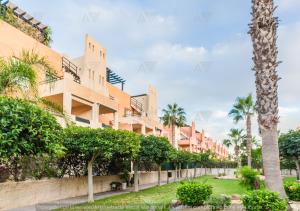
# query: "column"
(95, 116)
(143, 129)
(67, 102)
(116, 120)
(154, 131)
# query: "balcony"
(62, 85)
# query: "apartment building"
(190, 139)
(89, 92)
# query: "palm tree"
(263, 31)
(236, 138)
(173, 116)
(19, 78)
(243, 109)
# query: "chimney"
(193, 130)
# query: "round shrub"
(218, 202)
(26, 129)
(292, 189)
(263, 200)
(249, 178)
(193, 194)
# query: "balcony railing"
(137, 105)
(51, 78)
(71, 68)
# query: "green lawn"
(157, 196)
(160, 197)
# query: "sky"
(196, 53)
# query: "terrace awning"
(113, 78)
(23, 15)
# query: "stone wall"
(20, 194)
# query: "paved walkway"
(81, 199)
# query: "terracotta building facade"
(90, 93)
(190, 139)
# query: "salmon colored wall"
(123, 100)
(13, 41)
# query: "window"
(93, 75)
(89, 73)
(89, 45)
(99, 79)
(93, 47)
(102, 80)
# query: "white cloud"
(166, 52)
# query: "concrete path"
(81, 199)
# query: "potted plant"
(125, 176)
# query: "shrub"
(292, 189)
(249, 178)
(263, 200)
(193, 194)
(28, 128)
(218, 202)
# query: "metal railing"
(136, 104)
(71, 68)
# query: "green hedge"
(263, 200)
(193, 194)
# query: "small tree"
(184, 157)
(156, 149)
(289, 147)
(196, 158)
(94, 143)
(90, 143)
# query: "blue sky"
(196, 52)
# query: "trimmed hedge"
(292, 189)
(193, 194)
(263, 200)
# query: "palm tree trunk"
(249, 139)
(271, 161)
(173, 137)
(237, 156)
(263, 30)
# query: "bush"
(28, 128)
(263, 200)
(249, 178)
(218, 202)
(292, 189)
(193, 194)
